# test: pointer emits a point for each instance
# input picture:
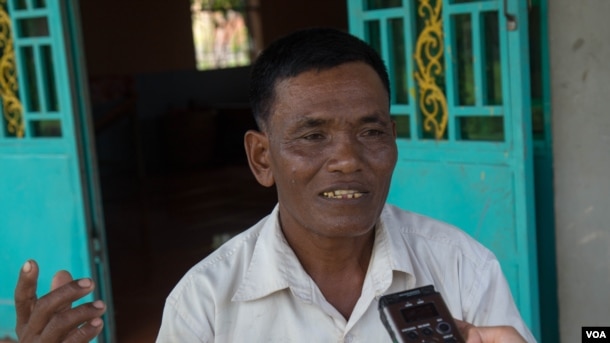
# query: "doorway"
(162, 220)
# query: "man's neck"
(337, 265)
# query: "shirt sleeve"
(491, 302)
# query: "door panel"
(48, 189)
(461, 99)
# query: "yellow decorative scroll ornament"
(11, 105)
(428, 54)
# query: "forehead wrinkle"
(309, 122)
(374, 118)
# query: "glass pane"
(45, 128)
(48, 75)
(33, 27)
(482, 128)
(372, 34)
(493, 68)
(464, 59)
(537, 119)
(29, 78)
(403, 125)
(398, 63)
(20, 4)
(536, 73)
(378, 4)
(40, 4)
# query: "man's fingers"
(60, 278)
(501, 334)
(468, 331)
(86, 332)
(57, 301)
(25, 292)
(85, 319)
(79, 324)
(52, 318)
(488, 334)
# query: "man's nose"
(345, 155)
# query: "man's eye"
(373, 132)
(313, 136)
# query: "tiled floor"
(159, 227)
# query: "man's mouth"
(343, 194)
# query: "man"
(314, 269)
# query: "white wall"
(579, 40)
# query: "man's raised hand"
(52, 318)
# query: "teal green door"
(48, 186)
(461, 99)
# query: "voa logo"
(595, 334)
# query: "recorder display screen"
(419, 312)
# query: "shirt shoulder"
(465, 272)
(224, 266)
(429, 235)
(208, 286)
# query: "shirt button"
(348, 339)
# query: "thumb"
(468, 331)
(25, 292)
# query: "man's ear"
(257, 150)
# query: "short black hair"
(302, 51)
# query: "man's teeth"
(342, 194)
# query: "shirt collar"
(274, 265)
(389, 253)
(391, 234)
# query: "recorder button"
(427, 331)
(443, 328)
(412, 334)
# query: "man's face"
(332, 150)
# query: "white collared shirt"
(254, 289)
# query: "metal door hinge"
(511, 19)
